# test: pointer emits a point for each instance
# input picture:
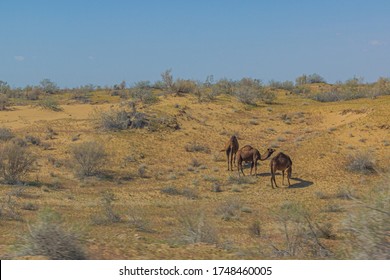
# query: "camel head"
(270, 151)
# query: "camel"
(250, 154)
(281, 162)
(231, 149)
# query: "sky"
(103, 42)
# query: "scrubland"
(139, 173)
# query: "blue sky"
(79, 42)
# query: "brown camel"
(250, 154)
(231, 149)
(281, 162)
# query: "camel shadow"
(301, 183)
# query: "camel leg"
(283, 177)
(273, 180)
(227, 155)
(234, 160)
(255, 168)
(251, 167)
(231, 161)
(289, 171)
(239, 167)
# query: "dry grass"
(209, 212)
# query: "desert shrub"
(34, 140)
(142, 171)
(48, 86)
(120, 119)
(368, 225)
(6, 134)
(83, 94)
(9, 209)
(113, 120)
(299, 233)
(144, 95)
(286, 85)
(162, 122)
(137, 218)
(255, 228)
(223, 86)
(196, 147)
(184, 86)
(51, 238)
(170, 190)
(90, 157)
(3, 101)
(190, 193)
(327, 96)
(241, 180)
(29, 206)
(15, 162)
(229, 210)
(107, 214)
(50, 104)
(195, 227)
(361, 162)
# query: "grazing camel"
(281, 162)
(250, 154)
(231, 149)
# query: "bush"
(195, 227)
(15, 162)
(3, 102)
(48, 237)
(229, 210)
(196, 147)
(107, 214)
(368, 226)
(361, 162)
(113, 120)
(6, 134)
(50, 104)
(144, 95)
(300, 233)
(90, 157)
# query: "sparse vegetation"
(163, 191)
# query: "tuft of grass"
(107, 213)
(361, 162)
(6, 134)
(368, 225)
(195, 227)
(230, 209)
(49, 237)
(255, 229)
(193, 147)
